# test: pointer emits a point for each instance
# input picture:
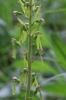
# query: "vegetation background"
(52, 75)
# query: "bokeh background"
(52, 75)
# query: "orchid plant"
(30, 31)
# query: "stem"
(29, 57)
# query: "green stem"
(29, 57)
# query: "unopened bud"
(25, 70)
(27, 4)
(15, 79)
(27, 24)
(42, 20)
(33, 74)
(17, 13)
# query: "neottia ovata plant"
(30, 31)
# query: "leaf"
(27, 11)
(14, 89)
(36, 28)
(55, 11)
(60, 50)
(41, 96)
(37, 66)
(38, 42)
(21, 79)
(25, 61)
(45, 38)
(33, 3)
(20, 21)
(24, 79)
(33, 81)
(23, 36)
(56, 88)
(14, 53)
(22, 5)
(37, 14)
(36, 82)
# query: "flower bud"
(27, 24)
(42, 20)
(27, 4)
(25, 70)
(33, 74)
(17, 13)
(15, 79)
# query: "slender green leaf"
(38, 42)
(21, 79)
(33, 81)
(37, 14)
(20, 21)
(41, 96)
(36, 82)
(60, 49)
(25, 61)
(55, 10)
(33, 3)
(23, 36)
(22, 5)
(34, 30)
(14, 53)
(56, 88)
(45, 38)
(27, 11)
(14, 89)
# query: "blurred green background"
(52, 75)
